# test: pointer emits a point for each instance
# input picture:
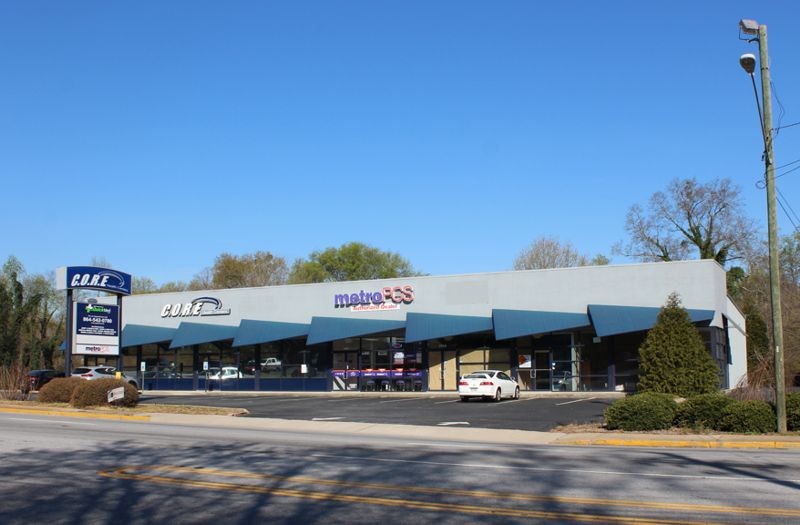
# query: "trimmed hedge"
(749, 417)
(95, 393)
(793, 411)
(703, 412)
(646, 411)
(59, 390)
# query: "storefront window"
(484, 358)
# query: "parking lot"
(527, 413)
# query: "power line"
(787, 126)
(781, 200)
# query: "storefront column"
(139, 372)
(612, 368)
(257, 368)
(195, 365)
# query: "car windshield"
(81, 371)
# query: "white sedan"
(227, 372)
(488, 384)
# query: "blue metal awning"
(517, 323)
(423, 327)
(189, 334)
(253, 332)
(615, 319)
(325, 329)
(139, 334)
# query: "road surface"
(70, 470)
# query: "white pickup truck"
(271, 363)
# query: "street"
(65, 470)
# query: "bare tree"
(688, 217)
(548, 252)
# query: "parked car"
(226, 372)
(102, 372)
(487, 384)
(36, 379)
(271, 363)
(250, 368)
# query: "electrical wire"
(782, 111)
(791, 216)
(789, 163)
(786, 126)
(761, 184)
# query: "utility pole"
(752, 27)
(772, 221)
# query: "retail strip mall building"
(561, 329)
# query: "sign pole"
(68, 339)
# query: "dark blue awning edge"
(139, 334)
(619, 319)
(425, 327)
(327, 329)
(252, 332)
(509, 324)
(189, 334)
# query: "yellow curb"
(683, 444)
(66, 413)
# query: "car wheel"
(516, 393)
(498, 395)
(464, 398)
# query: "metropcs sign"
(388, 298)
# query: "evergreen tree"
(673, 358)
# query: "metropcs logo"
(389, 298)
(202, 306)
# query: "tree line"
(687, 220)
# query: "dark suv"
(38, 378)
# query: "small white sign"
(96, 349)
(143, 366)
(116, 393)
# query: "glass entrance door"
(541, 373)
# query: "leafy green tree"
(353, 261)
(673, 358)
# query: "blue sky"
(157, 135)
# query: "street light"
(748, 63)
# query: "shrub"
(95, 393)
(12, 381)
(749, 417)
(673, 358)
(647, 411)
(793, 411)
(703, 411)
(59, 390)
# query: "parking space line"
(448, 401)
(575, 401)
(399, 400)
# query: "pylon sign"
(93, 328)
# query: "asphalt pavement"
(541, 413)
